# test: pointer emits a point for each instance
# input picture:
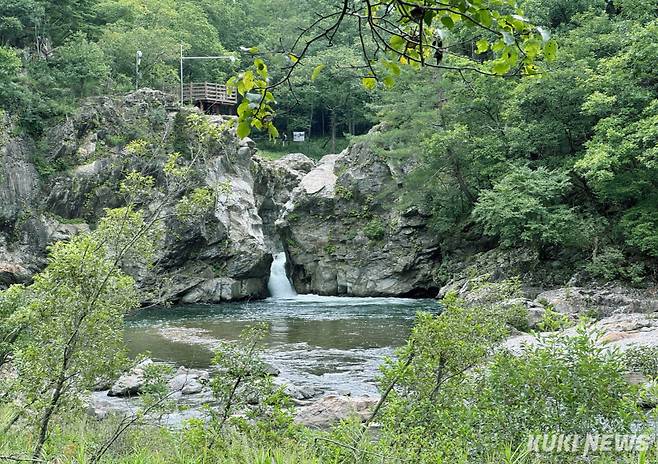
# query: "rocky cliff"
(336, 219)
(61, 189)
(345, 234)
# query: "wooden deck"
(210, 93)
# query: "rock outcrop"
(338, 220)
(344, 234)
(224, 258)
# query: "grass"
(315, 148)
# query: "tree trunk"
(333, 131)
(47, 415)
(322, 122)
(310, 123)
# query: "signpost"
(298, 136)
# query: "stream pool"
(334, 344)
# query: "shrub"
(375, 230)
(552, 321)
(643, 359)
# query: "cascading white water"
(279, 285)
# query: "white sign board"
(298, 136)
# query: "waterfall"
(279, 285)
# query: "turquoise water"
(330, 343)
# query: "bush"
(375, 230)
(552, 321)
(524, 206)
(643, 359)
(566, 383)
(611, 264)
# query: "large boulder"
(345, 234)
(620, 331)
(131, 383)
(332, 409)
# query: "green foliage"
(642, 359)
(610, 264)
(525, 206)
(552, 321)
(81, 65)
(375, 229)
(199, 202)
(75, 311)
(246, 381)
(566, 383)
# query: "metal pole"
(181, 74)
(138, 60)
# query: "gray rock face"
(344, 234)
(337, 219)
(603, 301)
(274, 183)
(224, 258)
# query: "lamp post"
(183, 58)
(138, 61)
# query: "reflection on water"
(331, 343)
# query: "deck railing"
(210, 92)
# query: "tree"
(398, 33)
(421, 412)
(524, 206)
(10, 67)
(19, 21)
(81, 65)
(75, 310)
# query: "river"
(334, 344)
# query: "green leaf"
(532, 47)
(243, 108)
(500, 67)
(397, 42)
(244, 129)
(388, 81)
(248, 81)
(369, 83)
(429, 16)
(484, 17)
(272, 131)
(447, 22)
(482, 46)
(550, 50)
(316, 71)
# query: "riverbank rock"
(620, 331)
(331, 409)
(189, 381)
(345, 234)
(132, 382)
(600, 301)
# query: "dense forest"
(524, 133)
(561, 162)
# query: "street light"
(138, 61)
(232, 59)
